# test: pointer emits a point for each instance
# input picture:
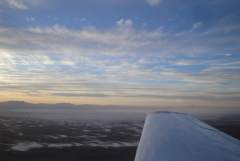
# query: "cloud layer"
(121, 62)
(127, 63)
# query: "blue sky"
(128, 52)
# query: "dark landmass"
(72, 154)
(229, 124)
(40, 140)
(39, 133)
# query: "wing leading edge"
(169, 136)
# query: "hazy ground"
(23, 139)
(44, 134)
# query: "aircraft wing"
(169, 136)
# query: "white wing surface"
(169, 136)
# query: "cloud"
(184, 62)
(198, 96)
(18, 4)
(80, 95)
(196, 26)
(154, 2)
(125, 23)
(30, 19)
(23, 5)
(124, 39)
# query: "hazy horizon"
(70, 111)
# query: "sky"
(163, 53)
